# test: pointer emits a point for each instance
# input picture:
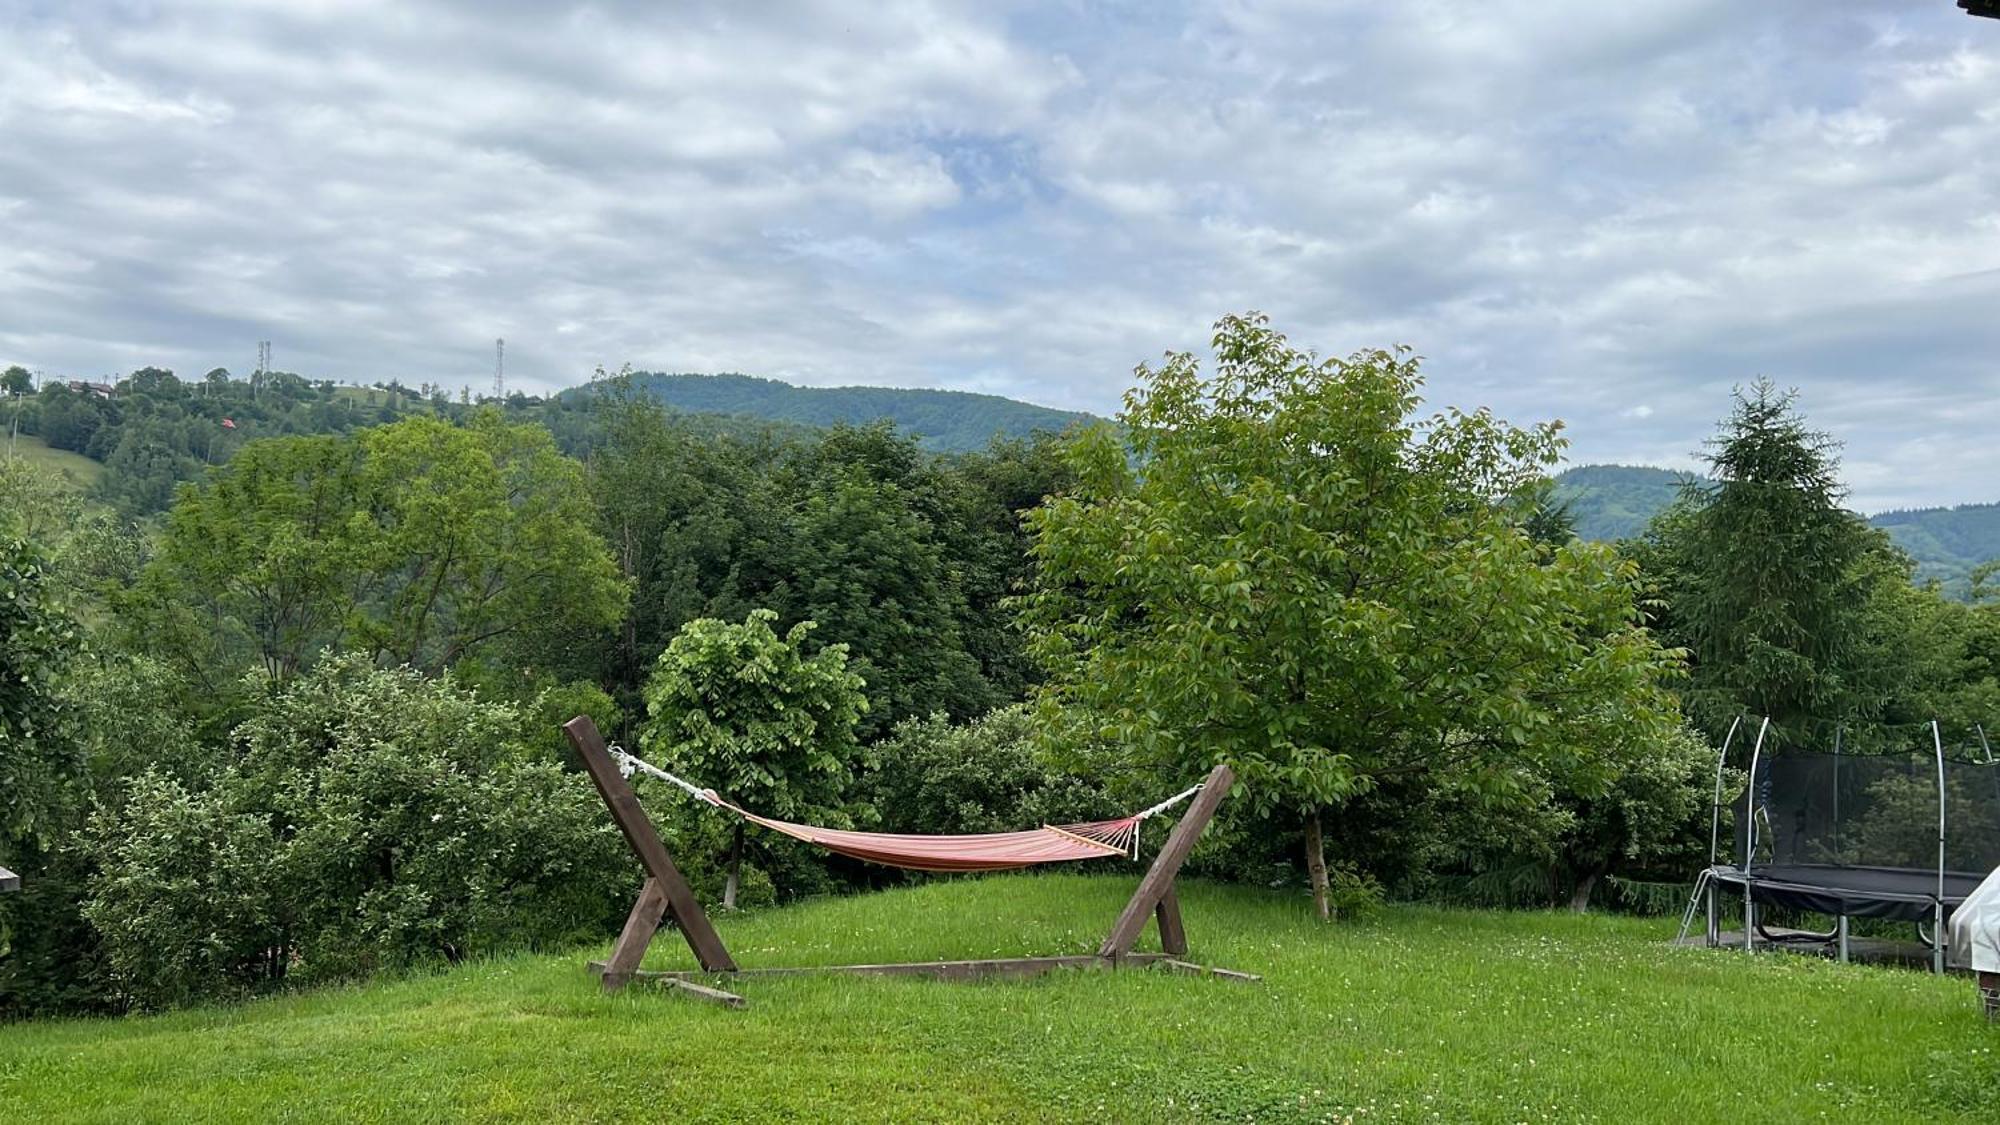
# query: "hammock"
(992, 851)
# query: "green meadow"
(1418, 1014)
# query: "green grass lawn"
(1422, 1014)
(34, 450)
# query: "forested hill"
(946, 421)
(1615, 501)
(1946, 542)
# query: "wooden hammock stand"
(666, 893)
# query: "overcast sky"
(1604, 212)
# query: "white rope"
(1170, 802)
(628, 762)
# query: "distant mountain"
(1616, 501)
(1946, 542)
(946, 421)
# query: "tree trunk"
(1579, 899)
(735, 868)
(1316, 867)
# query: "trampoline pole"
(1750, 843)
(1843, 938)
(1715, 830)
(1715, 806)
(1937, 931)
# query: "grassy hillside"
(76, 466)
(1425, 1014)
(947, 421)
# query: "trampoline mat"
(1859, 892)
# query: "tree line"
(300, 724)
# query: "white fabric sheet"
(1975, 929)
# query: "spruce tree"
(1764, 573)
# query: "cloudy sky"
(1604, 212)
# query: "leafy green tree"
(749, 713)
(17, 380)
(871, 572)
(41, 770)
(1654, 812)
(1300, 579)
(420, 542)
(857, 530)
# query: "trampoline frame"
(1708, 885)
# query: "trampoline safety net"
(1844, 807)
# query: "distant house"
(9, 881)
(100, 390)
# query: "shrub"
(375, 820)
(935, 778)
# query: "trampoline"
(1867, 827)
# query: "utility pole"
(499, 369)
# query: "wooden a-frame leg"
(666, 880)
(1158, 883)
(640, 926)
(1173, 936)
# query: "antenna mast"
(499, 368)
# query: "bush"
(938, 779)
(376, 820)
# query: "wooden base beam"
(688, 980)
(1193, 969)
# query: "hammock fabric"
(993, 851)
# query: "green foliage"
(868, 537)
(989, 775)
(373, 820)
(1302, 581)
(419, 542)
(746, 712)
(188, 899)
(1767, 579)
(40, 767)
(749, 714)
(902, 557)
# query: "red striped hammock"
(992, 851)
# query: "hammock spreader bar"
(992, 851)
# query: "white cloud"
(1570, 207)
